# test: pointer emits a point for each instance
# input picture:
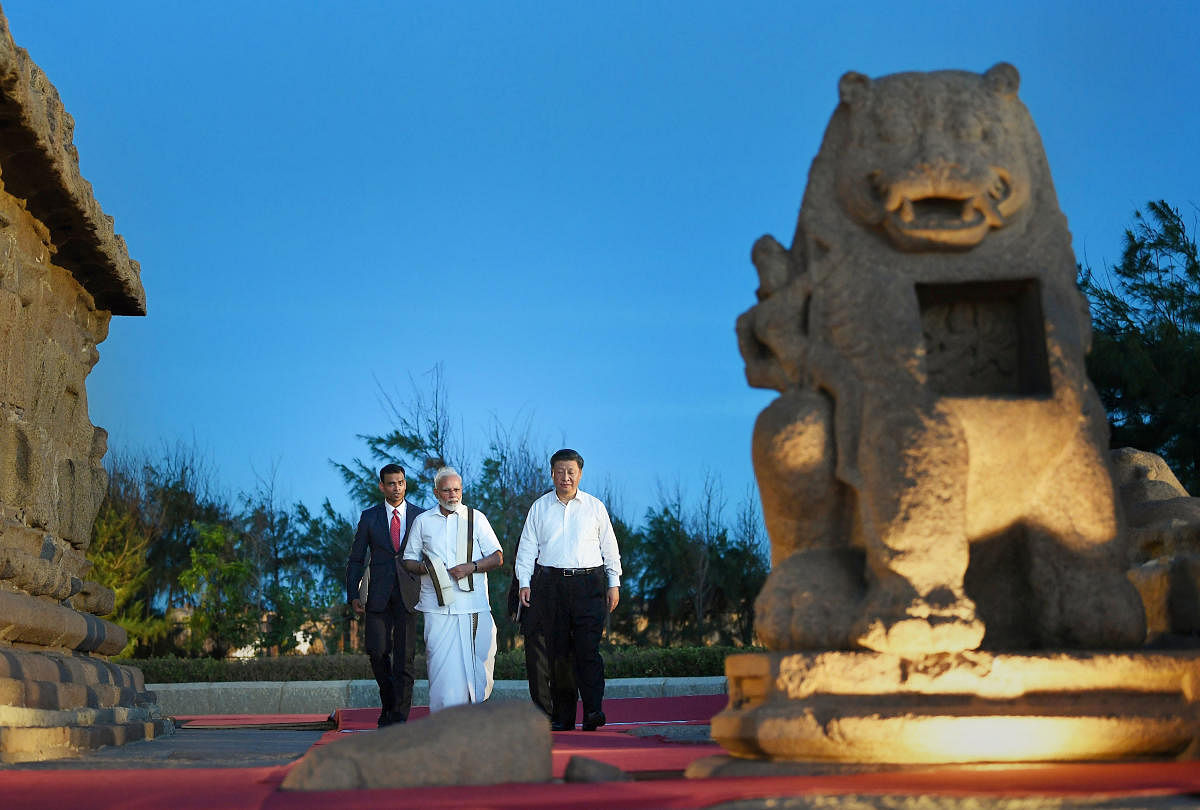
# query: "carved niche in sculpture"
(934, 474)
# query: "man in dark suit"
(392, 594)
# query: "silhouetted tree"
(1145, 359)
(327, 538)
(422, 439)
(118, 551)
(690, 578)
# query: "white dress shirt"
(437, 533)
(575, 534)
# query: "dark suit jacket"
(387, 572)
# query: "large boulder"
(1164, 538)
(480, 744)
(1163, 519)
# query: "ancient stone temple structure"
(949, 563)
(63, 274)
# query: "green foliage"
(289, 564)
(219, 581)
(619, 662)
(174, 496)
(169, 669)
(1145, 359)
(327, 536)
(514, 476)
(293, 589)
(118, 556)
(692, 579)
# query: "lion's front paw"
(810, 600)
(920, 628)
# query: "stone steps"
(34, 743)
(57, 704)
(52, 695)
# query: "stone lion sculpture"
(933, 475)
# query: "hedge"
(619, 662)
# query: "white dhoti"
(461, 652)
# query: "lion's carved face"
(934, 160)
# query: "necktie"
(396, 530)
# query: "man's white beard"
(449, 506)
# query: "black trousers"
(570, 611)
(551, 682)
(537, 667)
(392, 648)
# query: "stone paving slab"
(191, 748)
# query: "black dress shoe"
(557, 726)
(593, 721)
(385, 719)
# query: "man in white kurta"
(460, 636)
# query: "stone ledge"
(323, 697)
(37, 744)
(52, 695)
(35, 621)
(66, 667)
(16, 717)
(40, 165)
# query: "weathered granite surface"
(63, 274)
(934, 474)
(960, 707)
(949, 579)
(41, 166)
(482, 744)
(1164, 535)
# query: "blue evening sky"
(554, 201)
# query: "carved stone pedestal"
(55, 705)
(969, 707)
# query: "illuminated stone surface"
(63, 274)
(1163, 519)
(964, 707)
(1164, 535)
(934, 475)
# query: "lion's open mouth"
(938, 212)
(919, 215)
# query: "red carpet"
(175, 788)
(1123, 780)
(214, 789)
(205, 789)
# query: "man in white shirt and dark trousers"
(454, 546)
(570, 535)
